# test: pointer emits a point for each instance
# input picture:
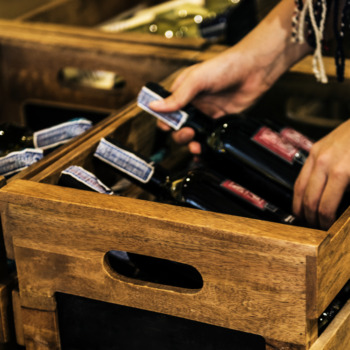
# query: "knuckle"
(326, 214)
(323, 160)
(310, 204)
(338, 171)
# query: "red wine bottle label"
(256, 201)
(61, 133)
(88, 179)
(275, 143)
(245, 194)
(174, 119)
(17, 161)
(296, 138)
(124, 161)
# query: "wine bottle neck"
(188, 116)
(147, 175)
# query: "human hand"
(223, 85)
(324, 178)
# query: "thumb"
(180, 97)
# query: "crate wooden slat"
(15, 9)
(279, 278)
(17, 316)
(83, 14)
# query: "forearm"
(269, 45)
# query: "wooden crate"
(88, 14)
(32, 59)
(259, 277)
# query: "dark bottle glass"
(335, 306)
(14, 138)
(79, 178)
(230, 25)
(20, 147)
(236, 144)
(199, 188)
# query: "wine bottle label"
(256, 201)
(17, 161)
(59, 134)
(88, 179)
(245, 194)
(296, 138)
(174, 119)
(275, 143)
(124, 161)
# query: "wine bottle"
(77, 177)
(14, 138)
(236, 143)
(199, 188)
(21, 147)
(179, 18)
(231, 23)
(335, 306)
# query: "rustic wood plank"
(17, 316)
(79, 12)
(40, 329)
(337, 335)
(6, 317)
(196, 45)
(333, 269)
(273, 345)
(14, 9)
(126, 224)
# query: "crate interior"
(138, 134)
(40, 114)
(16, 8)
(300, 101)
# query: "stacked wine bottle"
(20, 147)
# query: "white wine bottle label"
(296, 138)
(17, 161)
(88, 179)
(59, 134)
(124, 161)
(174, 119)
(275, 143)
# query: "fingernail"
(156, 104)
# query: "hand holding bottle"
(324, 178)
(233, 80)
(212, 93)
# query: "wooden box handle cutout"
(162, 272)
